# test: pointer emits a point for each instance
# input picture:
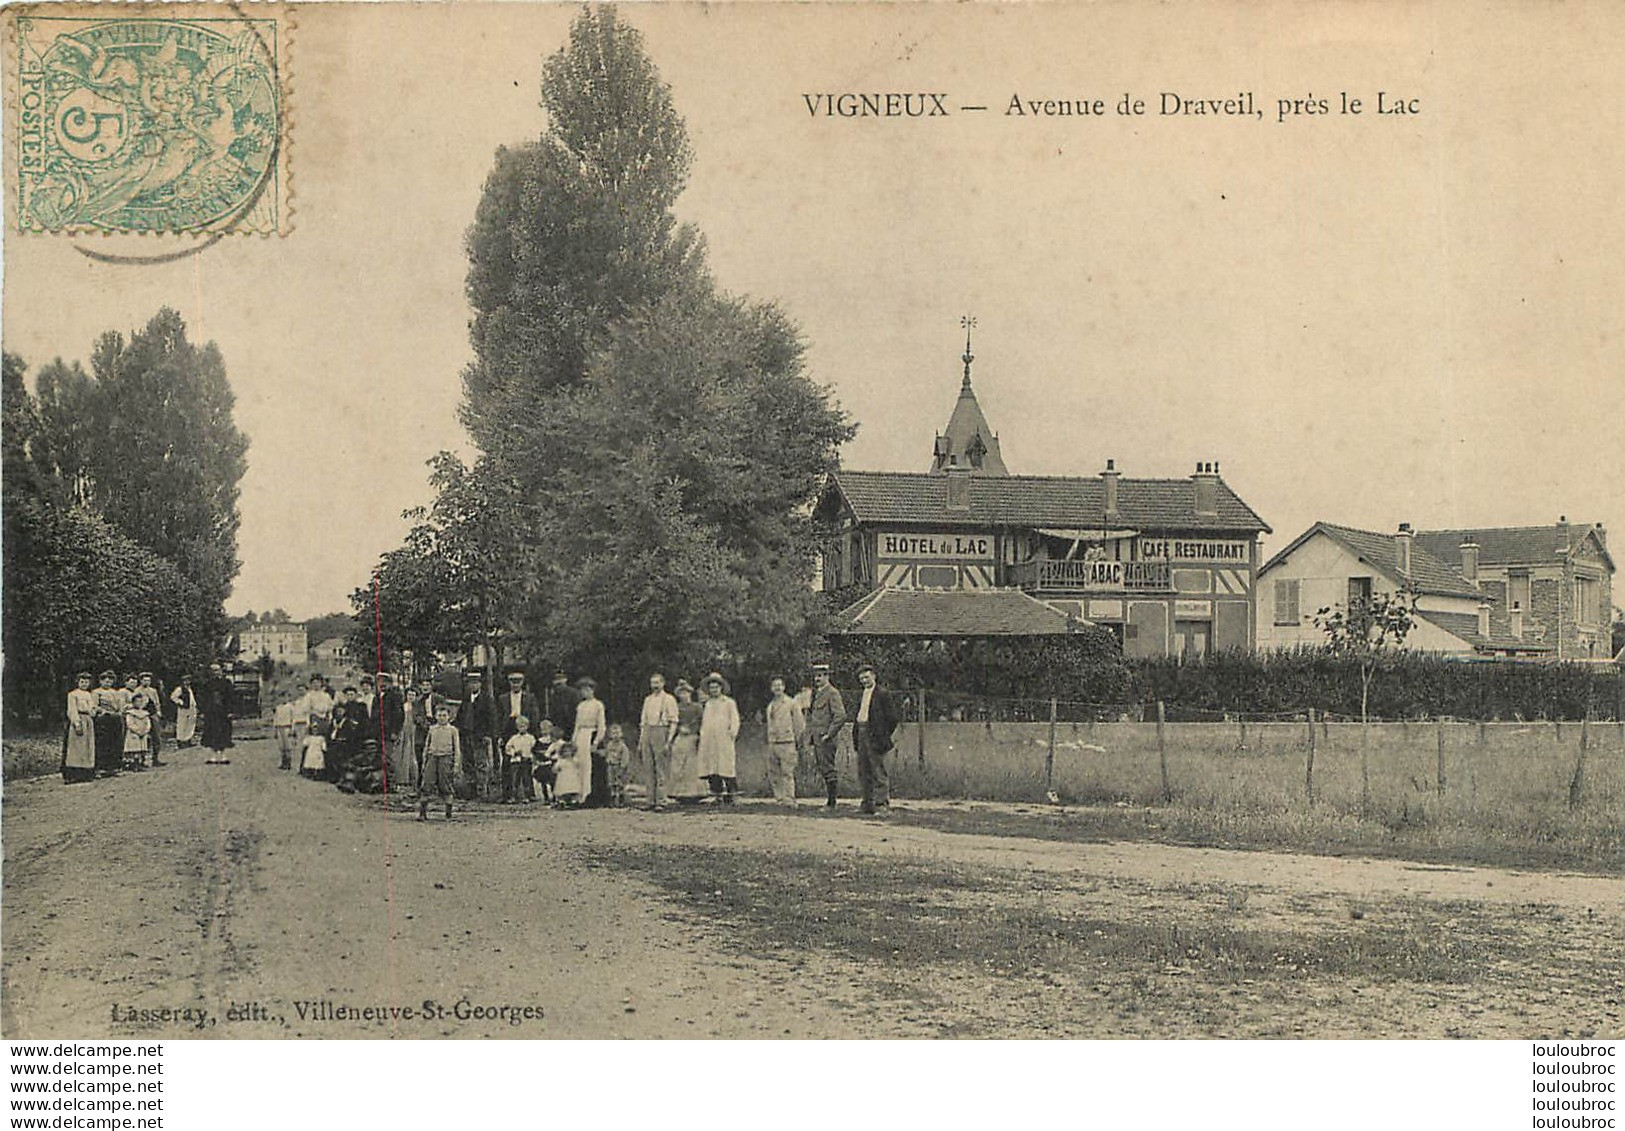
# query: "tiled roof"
(1506, 545)
(1465, 626)
(951, 612)
(1381, 553)
(1041, 500)
(966, 423)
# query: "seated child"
(618, 757)
(547, 753)
(520, 752)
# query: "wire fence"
(958, 746)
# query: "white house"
(284, 643)
(334, 650)
(1328, 566)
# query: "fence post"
(1365, 765)
(1241, 739)
(1309, 766)
(1440, 771)
(1162, 751)
(922, 729)
(1049, 759)
(1577, 784)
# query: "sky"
(1370, 319)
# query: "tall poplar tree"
(657, 444)
(147, 437)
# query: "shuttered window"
(1286, 602)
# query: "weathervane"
(969, 323)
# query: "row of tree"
(120, 510)
(649, 446)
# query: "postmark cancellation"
(148, 118)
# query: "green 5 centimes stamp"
(153, 118)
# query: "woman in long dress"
(685, 785)
(719, 727)
(216, 704)
(79, 743)
(403, 747)
(109, 725)
(591, 724)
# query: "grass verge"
(1316, 832)
(909, 913)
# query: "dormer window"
(977, 451)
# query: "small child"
(441, 751)
(313, 750)
(547, 751)
(618, 758)
(520, 751)
(137, 735)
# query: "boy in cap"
(441, 751)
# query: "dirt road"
(242, 901)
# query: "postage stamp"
(164, 118)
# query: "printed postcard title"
(1243, 105)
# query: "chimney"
(1206, 484)
(1402, 542)
(1469, 560)
(1602, 534)
(1517, 620)
(1563, 545)
(958, 487)
(1109, 478)
(1484, 619)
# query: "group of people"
(559, 745)
(116, 726)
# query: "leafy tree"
(1370, 632)
(147, 438)
(462, 574)
(576, 228)
(327, 626)
(677, 500)
(79, 592)
(650, 448)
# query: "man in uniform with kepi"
(826, 715)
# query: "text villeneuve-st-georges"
(1242, 105)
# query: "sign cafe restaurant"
(1169, 565)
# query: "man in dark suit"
(561, 705)
(874, 718)
(517, 701)
(388, 717)
(474, 726)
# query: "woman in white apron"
(719, 727)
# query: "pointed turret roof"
(968, 441)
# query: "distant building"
(1334, 567)
(333, 651)
(284, 643)
(1166, 564)
(1552, 585)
